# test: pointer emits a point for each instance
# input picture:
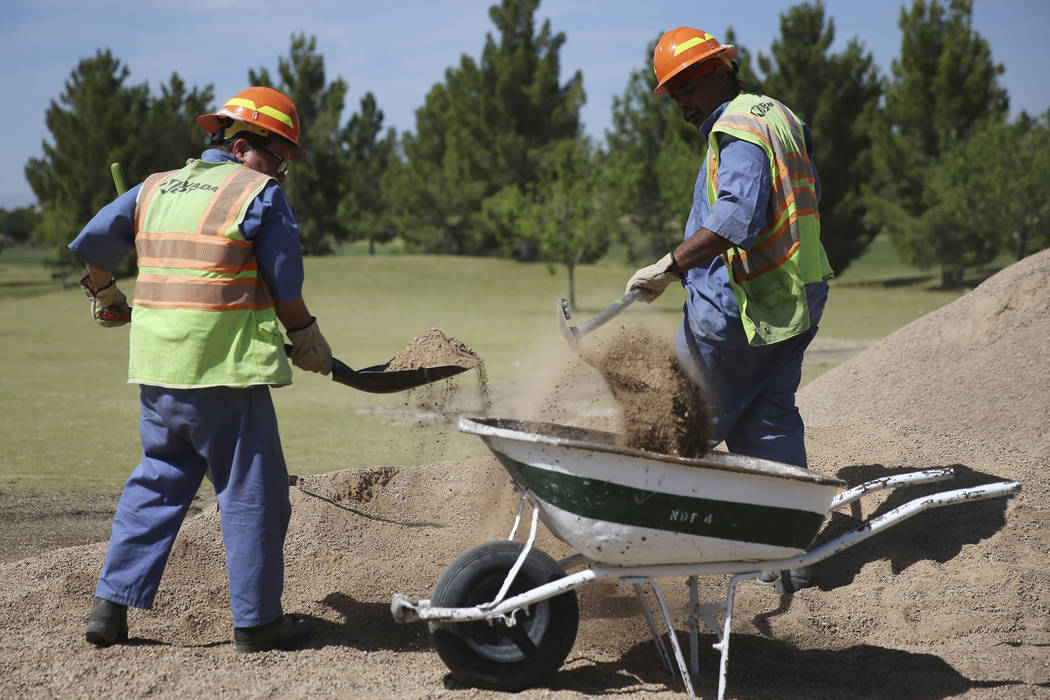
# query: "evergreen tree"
(943, 86)
(172, 124)
(98, 120)
(369, 153)
(837, 96)
(481, 131)
(317, 185)
(657, 155)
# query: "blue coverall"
(752, 389)
(186, 432)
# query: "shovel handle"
(610, 312)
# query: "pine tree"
(943, 86)
(317, 185)
(172, 125)
(369, 153)
(657, 155)
(97, 120)
(837, 96)
(481, 131)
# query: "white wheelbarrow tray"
(635, 516)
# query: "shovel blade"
(379, 380)
(563, 324)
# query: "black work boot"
(108, 623)
(286, 632)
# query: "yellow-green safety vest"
(769, 279)
(202, 316)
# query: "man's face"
(699, 93)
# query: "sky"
(398, 49)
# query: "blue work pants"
(751, 389)
(186, 432)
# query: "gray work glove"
(310, 350)
(655, 278)
(109, 306)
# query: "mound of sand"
(951, 603)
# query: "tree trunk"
(951, 278)
(572, 287)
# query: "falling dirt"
(663, 411)
(952, 603)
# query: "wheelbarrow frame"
(504, 609)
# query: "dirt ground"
(954, 602)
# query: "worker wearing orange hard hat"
(751, 263)
(219, 266)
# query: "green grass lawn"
(70, 420)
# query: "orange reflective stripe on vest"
(206, 265)
(179, 292)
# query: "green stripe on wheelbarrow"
(703, 517)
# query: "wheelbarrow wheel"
(488, 653)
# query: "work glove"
(109, 306)
(655, 278)
(310, 350)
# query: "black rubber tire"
(495, 656)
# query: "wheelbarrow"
(504, 614)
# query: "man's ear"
(240, 149)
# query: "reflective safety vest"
(202, 315)
(769, 279)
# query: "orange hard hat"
(260, 110)
(684, 48)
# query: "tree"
(315, 187)
(657, 155)
(172, 125)
(363, 209)
(18, 224)
(943, 86)
(988, 194)
(570, 217)
(482, 131)
(98, 120)
(837, 96)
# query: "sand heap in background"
(977, 367)
(951, 603)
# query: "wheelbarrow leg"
(723, 643)
(693, 623)
(637, 582)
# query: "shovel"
(379, 380)
(574, 333)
